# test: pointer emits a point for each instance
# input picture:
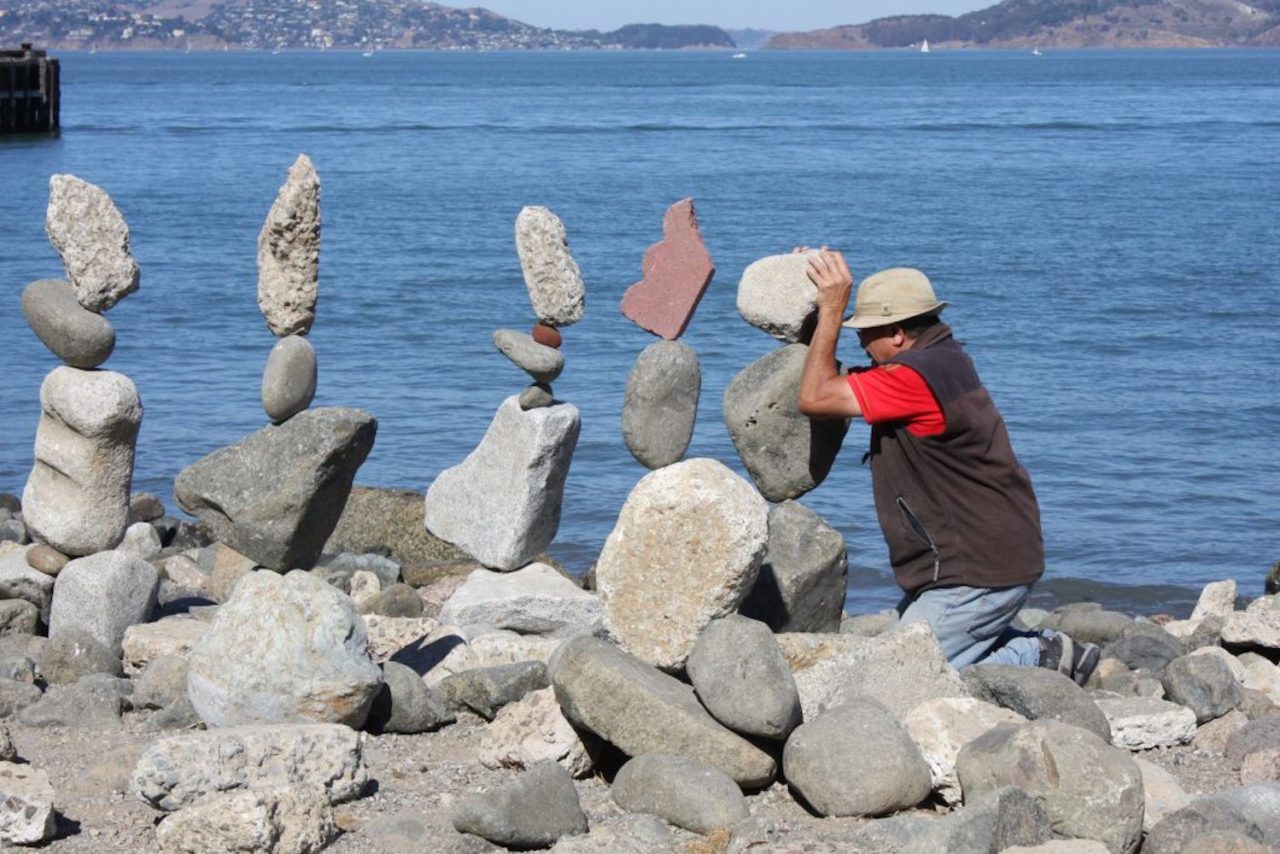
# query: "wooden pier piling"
(28, 91)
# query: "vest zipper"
(923, 533)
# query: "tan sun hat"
(893, 295)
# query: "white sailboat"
(924, 46)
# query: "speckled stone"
(677, 270)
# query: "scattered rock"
(276, 495)
(484, 690)
(551, 275)
(79, 337)
(1272, 583)
(786, 453)
(19, 581)
(389, 522)
(677, 270)
(531, 730)
(1176, 831)
(1089, 623)
(8, 753)
(1037, 693)
(534, 599)
(802, 582)
(660, 405)
(686, 549)
(363, 587)
(1258, 625)
(77, 497)
(161, 684)
(502, 503)
(543, 364)
(679, 791)
(739, 674)
(487, 647)
(1258, 803)
(171, 637)
(289, 253)
(281, 819)
(405, 704)
(102, 595)
(145, 507)
(1145, 651)
(532, 812)
(16, 696)
(775, 294)
(26, 805)
(386, 569)
(1162, 791)
(998, 821)
(855, 759)
(18, 617)
(89, 233)
(398, 600)
(1217, 599)
(1251, 737)
(141, 541)
(1203, 684)
(94, 702)
(227, 567)
(537, 396)
(388, 636)
(1261, 766)
(941, 727)
(1212, 737)
(74, 654)
(289, 379)
(1143, 723)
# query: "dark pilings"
(28, 91)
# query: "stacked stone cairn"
(502, 503)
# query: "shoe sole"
(1088, 663)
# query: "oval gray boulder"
(289, 379)
(77, 336)
(661, 403)
(679, 791)
(741, 676)
(776, 295)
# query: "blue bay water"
(1104, 225)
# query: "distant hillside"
(750, 39)
(1062, 23)
(316, 24)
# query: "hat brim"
(872, 321)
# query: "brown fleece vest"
(955, 508)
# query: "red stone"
(677, 270)
(547, 336)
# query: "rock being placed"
(677, 270)
(786, 453)
(289, 379)
(26, 805)
(502, 503)
(532, 812)
(661, 403)
(679, 791)
(550, 273)
(543, 364)
(276, 495)
(535, 599)
(802, 581)
(289, 253)
(776, 295)
(89, 233)
(77, 336)
(284, 649)
(280, 819)
(686, 549)
(77, 497)
(103, 595)
(741, 677)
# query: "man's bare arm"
(824, 393)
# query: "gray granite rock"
(530, 730)
(398, 600)
(283, 649)
(679, 791)
(786, 453)
(1253, 736)
(276, 495)
(1088, 622)
(537, 396)
(181, 770)
(1203, 684)
(855, 759)
(289, 379)
(995, 822)
(776, 295)
(1258, 803)
(942, 727)
(145, 507)
(1144, 723)
(1173, 833)
(102, 595)
(642, 710)
(485, 690)
(94, 702)
(502, 503)
(552, 276)
(73, 654)
(540, 362)
(405, 704)
(535, 599)
(161, 684)
(89, 233)
(18, 617)
(802, 582)
(1145, 651)
(14, 531)
(79, 337)
(740, 675)
(26, 805)
(289, 253)
(141, 541)
(1258, 625)
(16, 696)
(77, 496)
(18, 580)
(281, 819)
(660, 405)
(1036, 693)
(686, 548)
(387, 570)
(533, 811)
(1089, 789)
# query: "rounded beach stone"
(289, 379)
(679, 791)
(552, 276)
(1203, 684)
(536, 396)
(741, 676)
(47, 559)
(547, 336)
(542, 363)
(77, 336)
(661, 403)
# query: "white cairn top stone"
(92, 237)
(289, 253)
(550, 273)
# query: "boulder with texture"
(1088, 622)
(171, 637)
(1144, 723)
(405, 704)
(26, 805)
(95, 701)
(162, 684)
(389, 522)
(942, 727)
(1162, 791)
(182, 770)
(533, 730)
(1251, 737)
(90, 234)
(1258, 625)
(289, 253)
(786, 453)
(1090, 789)
(485, 690)
(535, 599)
(1180, 830)
(660, 405)
(102, 596)
(1035, 693)
(998, 821)
(775, 294)
(291, 819)
(677, 270)
(1150, 651)
(1217, 599)
(141, 541)
(1256, 802)
(552, 276)
(502, 503)
(686, 549)
(679, 791)
(73, 654)
(79, 337)
(289, 378)
(740, 675)
(284, 649)
(642, 710)
(18, 580)
(18, 617)
(1203, 684)
(802, 582)
(276, 495)
(77, 496)
(855, 759)
(532, 812)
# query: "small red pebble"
(547, 336)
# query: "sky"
(761, 14)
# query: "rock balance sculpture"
(77, 497)
(276, 495)
(502, 503)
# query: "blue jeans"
(972, 624)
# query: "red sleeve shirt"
(895, 392)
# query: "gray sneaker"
(1072, 659)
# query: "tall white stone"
(550, 273)
(289, 253)
(92, 237)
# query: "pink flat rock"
(677, 270)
